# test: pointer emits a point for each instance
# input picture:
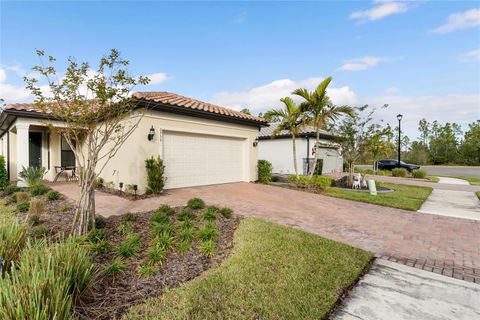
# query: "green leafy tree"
(470, 147)
(97, 111)
(379, 144)
(319, 112)
(291, 120)
(424, 128)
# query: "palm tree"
(291, 120)
(319, 111)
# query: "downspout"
(308, 155)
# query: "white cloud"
(459, 108)
(262, 98)
(362, 63)
(392, 90)
(9, 92)
(157, 78)
(471, 56)
(380, 10)
(459, 21)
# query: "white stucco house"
(278, 150)
(200, 143)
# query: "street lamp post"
(399, 117)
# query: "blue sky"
(422, 58)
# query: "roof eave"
(159, 106)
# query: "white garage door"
(195, 160)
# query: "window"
(67, 157)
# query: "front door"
(35, 149)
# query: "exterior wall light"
(120, 185)
(151, 134)
(255, 143)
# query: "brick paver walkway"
(382, 230)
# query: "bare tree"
(96, 114)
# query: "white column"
(22, 150)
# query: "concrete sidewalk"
(457, 204)
(397, 292)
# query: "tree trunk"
(315, 160)
(294, 154)
(85, 213)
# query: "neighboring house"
(279, 152)
(200, 143)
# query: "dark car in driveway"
(392, 164)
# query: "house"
(200, 143)
(279, 152)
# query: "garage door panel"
(193, 160)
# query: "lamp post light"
(399, 118)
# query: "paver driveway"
(385, 231)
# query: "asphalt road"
(445, 170)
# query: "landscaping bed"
(273, 272)
(132, 257)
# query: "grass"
(404, 197)
(274, 272)
(478, 194)
(474, 181)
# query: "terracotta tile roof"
(181, 101)
(21, 107)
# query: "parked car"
(392, 164)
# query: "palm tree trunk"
(315, 160)
(294, 154)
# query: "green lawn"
(404, 197)
(474, 181)
(274, 272)
(478, 194)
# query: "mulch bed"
(109, 298)
(128, 195)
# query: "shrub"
(13, 238)
(186, 214)
(226, 212)
(34, 220)
(185, 235)
(384, 172)
(11, 189)
(208, 232)
(32, 176)
(183, 246)
(208, 248)
(419, 173)
(187, 224)
(129, 217)
(264, 171)
(38, 189)
(100, 222)
(399, 172)
(53, 195)
(114, 269)
(159, 228)
(145, 271)
(40, 231)
(21, 197)
(37, 206)
(98, 183)
(210, 213)
(196, 203)
(46, 281)
(98, 247)
(97, 235)
(314, 182)
(156, 254)
(129, 246)
(65, 208)
(167, 209)
(23, 207)
(124, 229)
(3, 173)
(159, 217)
(155, 175)
(164, 240)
